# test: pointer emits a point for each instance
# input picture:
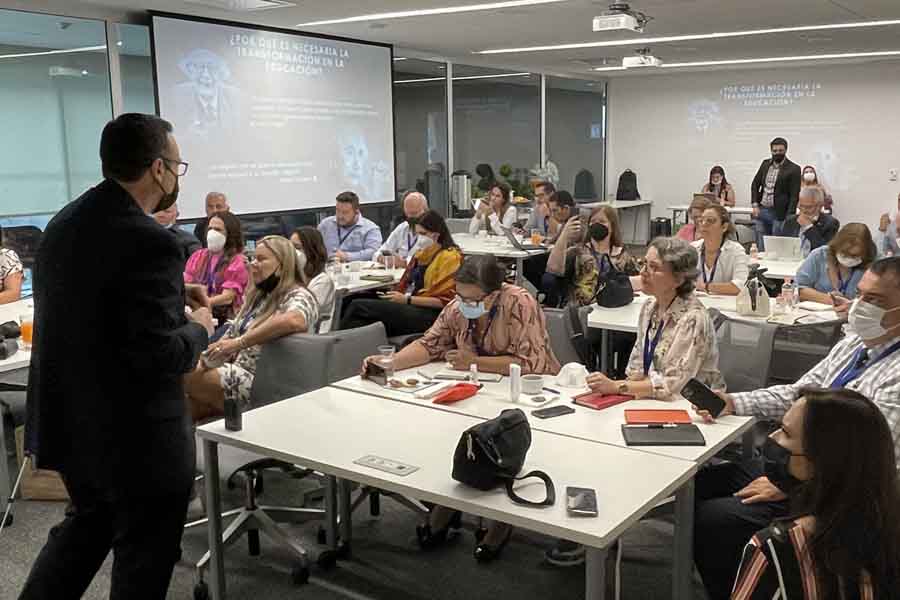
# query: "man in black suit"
(810, 224)
(106, 406)
(187, 242)
(774, 192)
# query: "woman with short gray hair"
(676, 337)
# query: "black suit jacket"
(200, 232)
(187, 242)
(822, 231)
(787, 187)
(111, 341)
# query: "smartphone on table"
(553, 411)
(581, 501)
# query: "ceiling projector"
(641, 60)
(617, 21)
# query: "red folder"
(599, 401)
(656, 417)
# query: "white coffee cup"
(532, 384)
(573, 375)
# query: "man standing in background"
(106, 403)
(774, 192)
(186, 241)
(888, 232)
(348, 235)
(215, 202)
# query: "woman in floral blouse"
(676, 338)
(493, 325)
(11, 274)
(278, 305)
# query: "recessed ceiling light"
(47, 52)
(683, 38)
(400, 58)
(464, 77)
(426, 12)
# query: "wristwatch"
(623, 387)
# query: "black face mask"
(412, 222)
(598, 232)
(775, 466)
(267, 285)
(777, 157)
(169, 198)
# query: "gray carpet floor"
(385, 562)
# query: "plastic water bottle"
(515, 382)
(473, 373)
(754, 251)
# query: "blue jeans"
(766, 224)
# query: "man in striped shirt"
(735, 500)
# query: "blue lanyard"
(479, 344)
(599, 259)
(712, 274)
(251, 312)
(858, 365)
(210, 278)
(341, 240)
(650, 347)
(411, 241)
(843, 285)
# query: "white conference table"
(498, 246)
(684, 208)
(356, 284)
(625, 318)
(777, 268)
(634, 218)
(598, 426)
(19, 360)
(327, 430)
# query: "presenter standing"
(106, 403)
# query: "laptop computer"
(706, 196)
(518, 245)
(782, 248)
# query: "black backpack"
(628, 189)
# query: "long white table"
(497, 246)
(329, 429)
(625, 318)
(599, 426)
(19, 360)
(684, 208)
(634, 218)
(357, 285)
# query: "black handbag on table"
(492, 453)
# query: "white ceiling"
(457, 36)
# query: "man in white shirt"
(402, 241)
(735, 500)
(886, 238)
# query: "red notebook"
(599, 401)
(656, 417)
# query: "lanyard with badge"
(712, 274)
(250, 314)
(479, 344)
(650, 346)
(343, 239)
(210, 278)
(411, 241)
(843, 285)
(859, 364)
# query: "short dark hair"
(483, 271)
(562, 198)
(130, 143)
(887, 266)
(779, 141)
(549, 188)
(349, 198)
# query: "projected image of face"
(206, 102)
(355, 154)
(704, 115)
(366, 175)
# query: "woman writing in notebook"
(676, 338)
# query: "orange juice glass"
(27, 328)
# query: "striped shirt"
(777, 565)
(880, 383)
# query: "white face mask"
(809, 177)
(865, 319)
(849, 261)
(215, 241)
(424, 243)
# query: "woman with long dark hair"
(719, 187)
(220, 267)
(311, 258)
(834, 457)
(427, 285)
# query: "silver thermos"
(461, 190)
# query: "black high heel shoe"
(485, 553)
(432, 539)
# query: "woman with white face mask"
(424, 290)
(830, 274)
(810, 178)
(220, 268)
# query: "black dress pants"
(723, 524)
(398, 319)
(139, 516)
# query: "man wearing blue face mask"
(734, 500)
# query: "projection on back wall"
(276, 121)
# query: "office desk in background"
(497, 246)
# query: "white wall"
(670, 129)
